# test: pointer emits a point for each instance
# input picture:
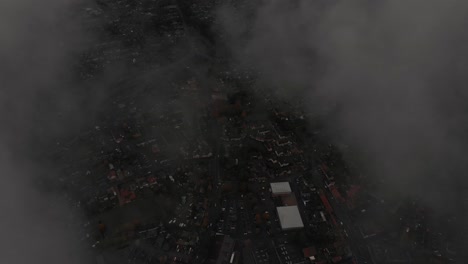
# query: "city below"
(193, 157)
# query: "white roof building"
(289, 217)
(280, 188)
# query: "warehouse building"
(289, 217)
(280, 188)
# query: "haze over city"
(302, 131)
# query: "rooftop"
(280, 188)
(289, 217)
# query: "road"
(214, 169)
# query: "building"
(280, 188)
(289, 217)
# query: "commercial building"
(289, 217)
(280, 188)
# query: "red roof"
(324, 167)
(336, 194)
(325, 202)
(334, 220)
(310, 251)
(151, 179)
(155, 149)
(127, 195)
(112, 175)
(336, 259)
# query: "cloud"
(37, 42)
(392, 71)
(44, 49)
(394, 68)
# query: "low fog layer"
(390, 77)
(48, 97)
(396, 71)
(37, 43)
(393, 72)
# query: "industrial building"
(289, 217)
(280, 188)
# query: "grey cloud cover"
(394, 72)
(37, 40)
(394, 69)
(43, 101)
